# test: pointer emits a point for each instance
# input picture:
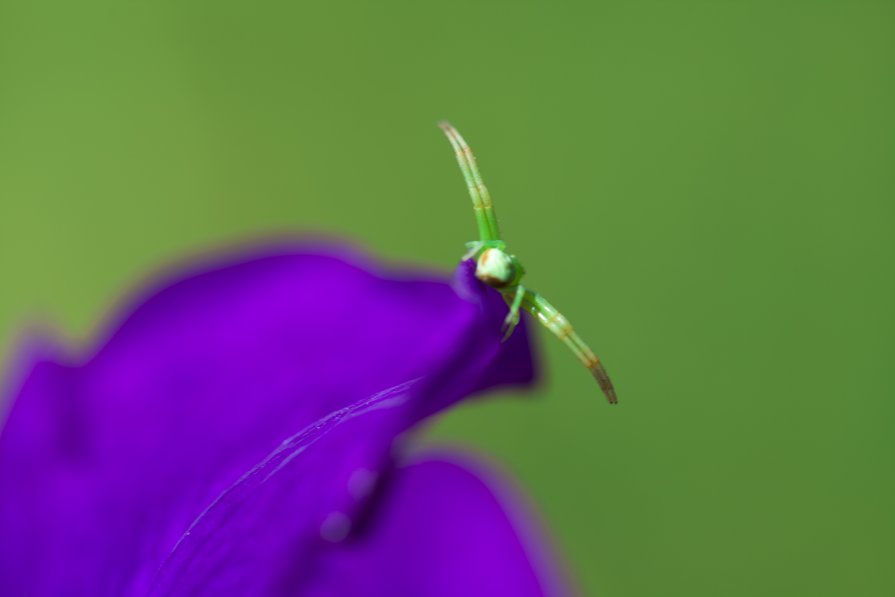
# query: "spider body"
(502, 270)
(498, 269)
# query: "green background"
(704, 188)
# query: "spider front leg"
(554, 321)
(485, 217)
(515, 303)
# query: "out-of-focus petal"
(105, 463)
(443, 527)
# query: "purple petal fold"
(236, 423)
(442, 527)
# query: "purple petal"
(301, 523)
(439, 529)
(106, 463)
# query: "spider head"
(498, 269)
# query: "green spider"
(503, 271)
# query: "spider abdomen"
(496, 268)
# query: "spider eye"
(495, 268)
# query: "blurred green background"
(704, 188)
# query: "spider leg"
(554, 321)
(475, 247)
(512, 318)
(472, 250)
(485, 217)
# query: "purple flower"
(237, 429)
